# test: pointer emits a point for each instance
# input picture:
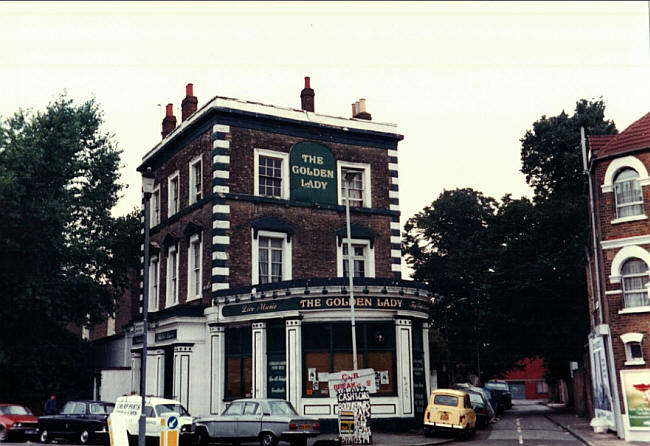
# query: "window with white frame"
(271, 257)
(362, 259)
(271, 174)
(173, 195)
(154, 283)
(194, 256)
(354, 178)
(110, 325)
(195, 181)
(155, 207)
(633, 350)
(628, 193)
(172, 275)
(634, 275)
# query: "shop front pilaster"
(217, 367)
(404, 348)
(294, 361)
(259, 360)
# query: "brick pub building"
(618, 279)
(249, 292)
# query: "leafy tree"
(63, 258)
(513, 272)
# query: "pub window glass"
(239, 364)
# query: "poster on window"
(636, 393)
(354, 416)
(600, 380)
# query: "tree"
(63, 257)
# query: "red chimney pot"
(189, 90)
(170, 110)
(307, 82)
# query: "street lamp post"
(348, 179)
(147, 189)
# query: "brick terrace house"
(618, 278)
(248, 290)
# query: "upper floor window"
(172, 275)
(635, 277)
(633, 350)
(155, 207)
(271, 257)
(628, 194)
(271, 174)
(173, 195)
(362, 259)
(194, 268)
(195, 181)
(354, 179)
(154, 283)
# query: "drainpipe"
(618, 418)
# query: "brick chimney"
(307, 96)
(169, 121)
(188, 106)
(359, 110)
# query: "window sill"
(192, 298)
(635, 362)
(644, 309)
(628, 219)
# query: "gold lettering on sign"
(389, 303)
(310, 303)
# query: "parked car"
(17, 421)
(266, 420)
(480, 406)
(501, 392)
(491, 414)
(154, 409)
(450, 410)
(493, 401)
(80, 420)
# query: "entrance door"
(518, 390)
(168, 375)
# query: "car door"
(250, 422)
(76, 420)
(227, 422)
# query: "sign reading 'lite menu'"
(312, 173)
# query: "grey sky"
(462, 80)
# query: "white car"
(154, 408)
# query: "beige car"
(450, 410)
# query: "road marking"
(521, 437)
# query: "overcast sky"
(463, 81)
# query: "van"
(154, 409)
(451, 411)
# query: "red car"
(17, 421)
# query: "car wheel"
(427, 431)
(268, 439)
(44, 436)
(201, 437)
(3, 432)
(84, 437)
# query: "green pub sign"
(313, 173)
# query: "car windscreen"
(446, 400)
(281, 408)
(497, 386)
(475, 398)
(99, 408)
(73, 407)
(170, 407)
(14, 410)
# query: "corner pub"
(248, 274)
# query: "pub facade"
(249, 266)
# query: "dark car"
(265, 420)
(16, 421)
(83, 421)
(501, 392)
(480, 406)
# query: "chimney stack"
(307, 96)
(359, 110)
(188, 106)
(169, 121)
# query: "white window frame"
(193, 181)
(154, 217)
(170, 210)
(172, 298)
(621, 206)
(284, 157)
(628, 339)
(154, 285)
(194, 241)
(255, 257)
(369, 256)
(614, 167)
(365, 168)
